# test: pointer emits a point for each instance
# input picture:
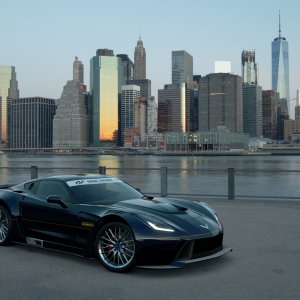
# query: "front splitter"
(182, 263)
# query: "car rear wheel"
(115, 247)
(5, 226)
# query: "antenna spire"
(279, 26)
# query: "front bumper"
(181, 263)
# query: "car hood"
(156, 205)
(184, 215)
(187, 217)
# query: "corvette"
(102, 217)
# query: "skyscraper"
(129, 94)
(222, 66)
(30, 122)
(144, 84)
(8, 90)
(252, 110)
(78, 73)
(151, 115)
(174, 108)
(70, 123)
(252, 95)
(104, 85)
(249, 68)
(220, 102)
(280, 70)
(269, 112)
(139, 61)
(127, 69)
(182, 68)
(78, 70)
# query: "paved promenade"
(264, 264)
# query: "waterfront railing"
(169, 182)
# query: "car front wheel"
(5, 226)
(115, 246)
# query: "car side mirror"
(53, 199)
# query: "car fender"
(11, 201)
(138, 226)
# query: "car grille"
(208, 245)
(201, 247)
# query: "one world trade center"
(280, 70)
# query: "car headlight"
(160, 227)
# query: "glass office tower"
(280, 70)
(182, 68)
(8, 90)
(104, 84)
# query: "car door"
(50, 221)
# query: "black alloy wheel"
(115, 247)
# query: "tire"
(5, 226)
(115, 247)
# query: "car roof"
(76, 177)
(64, 178)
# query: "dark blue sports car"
(101, 216)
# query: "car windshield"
(102, 191)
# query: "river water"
(255, 176)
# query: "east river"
(255, 176)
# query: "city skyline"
(215, 32)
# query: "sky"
(42, 37)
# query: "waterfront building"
(269, 114)
(223, 66)
(129, 95)
(139, 61)
(182, 69)
(220, 102)
(292, 131)
(104, 85)
(30, 122)
(8, 90)
(174, 108)
(249, 68)
(219, 140)
(70, 123)
(280, 70)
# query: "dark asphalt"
(264, 264)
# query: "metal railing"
(163, 179)
(165, 174)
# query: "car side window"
(31, 186)
(52, 187)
